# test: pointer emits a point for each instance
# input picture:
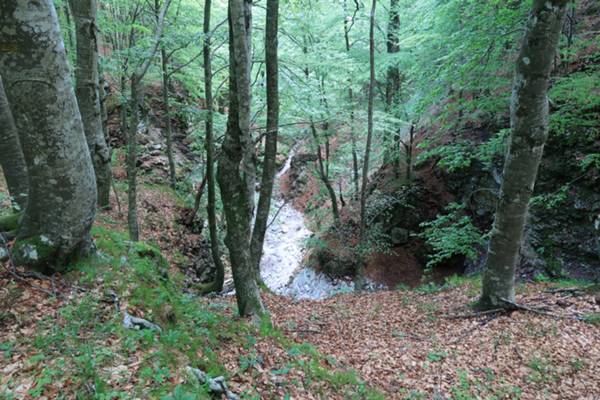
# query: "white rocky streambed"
(282, 266)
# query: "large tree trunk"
(236, 170)
(88, 93)
(11, 156)
(529, 130)
(269, 167)
(62, 186)
(392, 88)
(211, 206)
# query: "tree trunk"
(365, 172)
(269, 167)
(169, 132)
(134, 121)
(529, 131)
(62, 186)
(11, 156)
(211, 206)
(324, 175)
(392, 87)
(135, 104)
(236, 170)
(88, 93)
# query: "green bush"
(450, 235)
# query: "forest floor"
(63, 338)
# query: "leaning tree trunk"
(11, 156)
(211, 206)
(88, 93)
(269, 167)
(62, 186)
(529, 131)
(235, 170)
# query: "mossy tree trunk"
(269, 167)
(235, 172)
(529, 131)
(11, 156)
(88, 93)
(62, 185)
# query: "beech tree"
(269, 167)
(62, 187)
(88, 93)
(529, 131)
(236, 173)
(11, 155)
(211, 206)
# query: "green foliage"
(450, 235)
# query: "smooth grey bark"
(392, 88)
(269, 167)
(62, 185)
(235, 172)
(211, 205)
(134, 108)
(88, 93)
(529, 131)
(11, 156)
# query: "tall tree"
(62, 186)
(135, 104)
(236, 175)
(348, 24)
(529, 131)
(88, 93)
(11, 155)
(269, 167)
(211, 206)
(365, 171)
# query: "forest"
(299, 199)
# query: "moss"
(36, 251)
(10, 222)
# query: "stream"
(281, 266)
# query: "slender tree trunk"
(62, 186)
(392, 87)
(269, 167)
(134, 121)
(88, 93)
(135, 105)
(365, 172)
(169, 132)
(211, 206)
(355, 174)
(529, 131)
(323, 174)
(11, 156)
(236, 169)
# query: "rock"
(131, 322)
(216, 385)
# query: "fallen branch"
(515, 306)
